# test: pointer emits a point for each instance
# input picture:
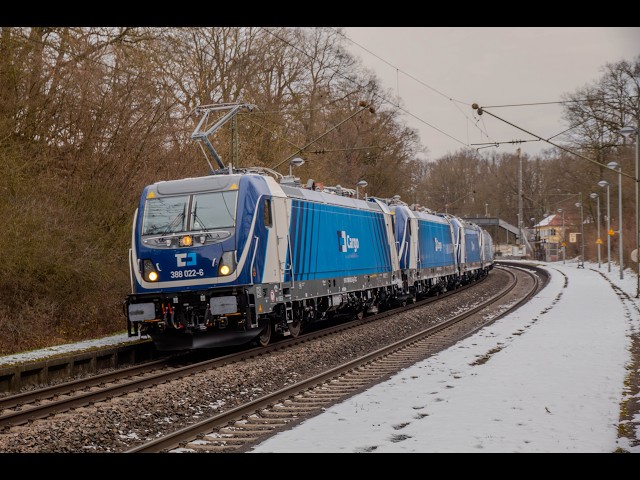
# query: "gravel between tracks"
(123, 422)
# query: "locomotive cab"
(191, 261)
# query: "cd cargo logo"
(345, 242)
(186, 259)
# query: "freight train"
(247, 254)
(241, 256)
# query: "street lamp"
(560, 210)
(581, 262)
(294, 161)
(363, 184)
(599, 241)
(616, 165)
(604, 183)
(627, 132)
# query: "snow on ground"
(552, 382)
(58, 350)
(546, 378)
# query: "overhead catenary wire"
(321, 151)
(376, 95)
(557, 102)
(271, 131)
(448, 97)
(568, 129)
(510, 141)
(399, 70)
(482, 110)
(497, 144)
(382, 98)
(485, 132)
(362, 108)
(153, 81)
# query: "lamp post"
(560, 210)
(599, 241)
(617, 166)
(581, 262)
(604, 183)
(363, 184)
(627, 132)
(294, 161)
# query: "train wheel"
(295, 328)
(265, 336)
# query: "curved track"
(239, 428)
(20, 408)
(156, 389)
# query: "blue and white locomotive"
(224, 259)
(230, 258)
(236, 256)
(439, 252)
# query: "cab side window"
(268, 219)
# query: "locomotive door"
(282, 213)
(412, 244)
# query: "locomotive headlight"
(149, 271)
(227, 263)
(186, 241)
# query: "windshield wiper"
(197, 219)
(175, 222)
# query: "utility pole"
(520, 242)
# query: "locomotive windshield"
(213, 210)
(165, 215)
(198, 212)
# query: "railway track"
(23, 407)
(99, 393)
(237, 429)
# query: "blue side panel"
(384, 260)
(435, 244)
(330, 241)
(472, 244)
(311, 264)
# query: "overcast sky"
(490, 66)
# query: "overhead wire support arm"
(481, 110)
(203, 131)
(363, 106)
